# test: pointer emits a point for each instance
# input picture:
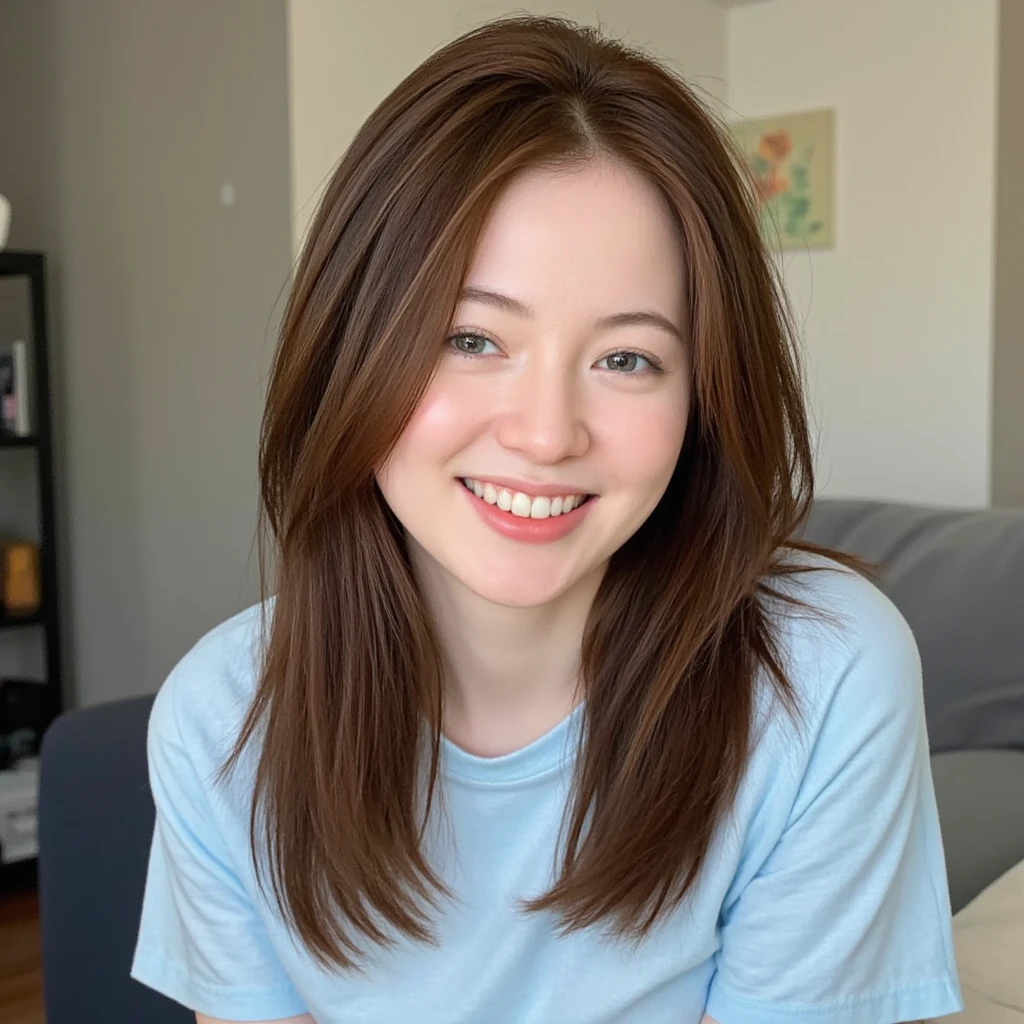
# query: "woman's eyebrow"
(507, 304)
(643, 317)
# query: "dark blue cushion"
(95, 825)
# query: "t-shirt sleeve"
(201, 941)
(846, 920)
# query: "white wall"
(344, 58)
(898, 317)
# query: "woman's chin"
(516, 593)
(523, 586)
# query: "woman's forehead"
(599, 235)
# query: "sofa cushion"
(980, 796)
(958, 579)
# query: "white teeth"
(540, 508)
(523, 505)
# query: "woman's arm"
(201, 1018)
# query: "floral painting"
(791, 158)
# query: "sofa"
(958, 578)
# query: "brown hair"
(680, 633)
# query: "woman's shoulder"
(202, 703)
(844, 644)
(854, 673)
(838, 609)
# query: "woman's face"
(565, 373)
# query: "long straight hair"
(681, 633)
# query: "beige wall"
(1008, 361)
(27, 165)
(163, 302)
(898, 316)
(344, 58)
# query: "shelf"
(20, 263)
(9, 620)
(32, 267)
(15, 441)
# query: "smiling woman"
(564, 374)
(546, 715)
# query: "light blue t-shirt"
(824, 900)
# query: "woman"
(549, 718)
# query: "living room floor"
(21, 971)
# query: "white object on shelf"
(5, 219)
(21, 418)
(19, 811)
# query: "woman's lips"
(525, 530)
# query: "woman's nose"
(543, 418)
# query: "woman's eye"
(626, 363)
(468, 344)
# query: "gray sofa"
(958, 577)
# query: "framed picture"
(792, 160)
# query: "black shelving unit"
(7, 441)
(32, 265)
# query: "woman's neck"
(512, 673)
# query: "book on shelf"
(20, 577)
(14, 397)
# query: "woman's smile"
(520, 517)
